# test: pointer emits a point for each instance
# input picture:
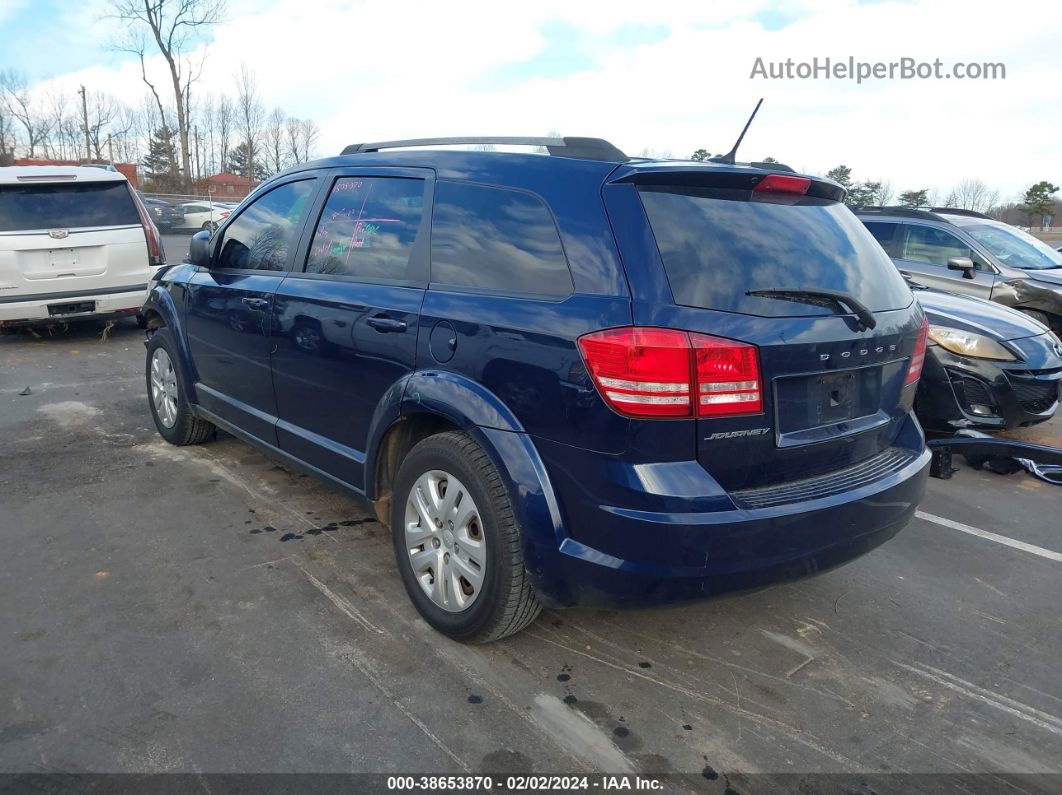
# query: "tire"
(504, 601)
(1039, 317)
(185, 427)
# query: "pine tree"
(238, 163)
(161, 162)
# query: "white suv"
(74, 243)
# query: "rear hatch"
(66, 236)
(781, 264)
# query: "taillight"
(641, 372)
(782, 183)
(156, 253)
(728, 377)
(653, 372)
(918, 358)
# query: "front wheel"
(457, 542)
(1038, 316)
(173, 416)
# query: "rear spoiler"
(694, 175)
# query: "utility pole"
(198, 168)
(110, 148)
(84, 116)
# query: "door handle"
(387, 324)
(255, 303)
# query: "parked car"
(987, 366)
(74, 243)
(564, 379)
(165, 215)
(968, 252)
(203, 215)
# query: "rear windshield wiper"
(823, 298)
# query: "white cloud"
(371, 70)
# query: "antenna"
(728, 158)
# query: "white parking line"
(976, 531)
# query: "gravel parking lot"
(204, 609)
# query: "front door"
(924, 252)
(345, 320)
(228, 308)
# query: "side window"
(884, 233)
(496, 239)
(263, 235)
(933, 246)
(367, 228)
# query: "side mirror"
(199, 249)
(964, 264)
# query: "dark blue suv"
(560, 378)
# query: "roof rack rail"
(910, 212)
(959, 211)
(586, 148)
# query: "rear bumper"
(654, 558)
(104, 303)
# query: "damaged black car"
(987, 367)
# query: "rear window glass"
(884, 233)
(496, 239)
(66, 206)
(717, 246)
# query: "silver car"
(968, 252)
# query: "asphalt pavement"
(205, 609)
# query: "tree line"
(176, 134)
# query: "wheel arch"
(159, 312)
(431, 402)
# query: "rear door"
(832, 390)
(70, 239)
(228, 306)
(923, 252)
(345, 320)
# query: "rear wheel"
(457, 543)
(173, 416)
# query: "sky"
(669, 77)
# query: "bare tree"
(59, 142)
(274, 140)
(208, 119)
(293, 133)
(309, 132)
(226, 122)
(22, 106)
(7, 129)
(176, 27)
(973, 194)
(249, 114)
(884, 193)
(103, 112)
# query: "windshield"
(1016, 248)
(718, 246)
(66, 206)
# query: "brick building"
(225, 185)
